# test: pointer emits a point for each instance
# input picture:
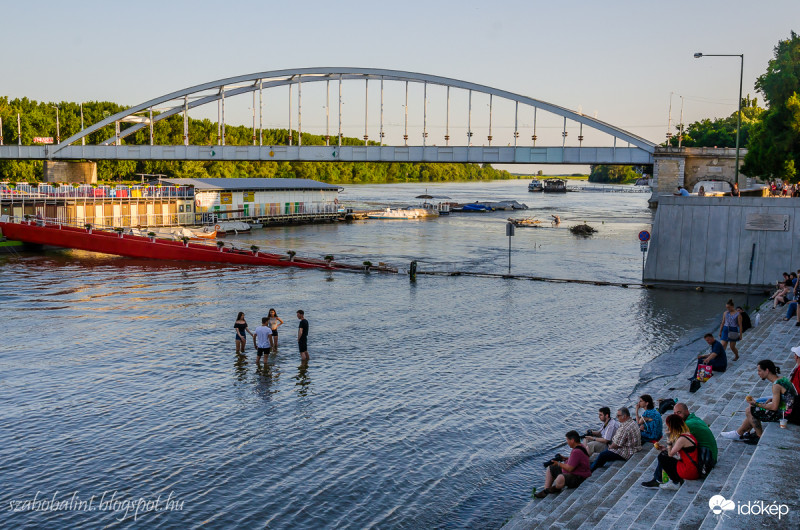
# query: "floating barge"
(53, 233)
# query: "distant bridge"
(636, 150)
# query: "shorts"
(240, 338)
(274, 332)
(724, 335)
(263, 351)
(570, 480)
(764, 414)
(303, 345)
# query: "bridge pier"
(686, 166)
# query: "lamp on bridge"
(700, 55)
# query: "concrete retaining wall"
(705, 240)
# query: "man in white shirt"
(597, 441)
(261, 340)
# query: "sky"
(618, 60)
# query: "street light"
(58, 126)
(699, 55)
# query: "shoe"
(670, 486)
(540, 494)
(652, 484)
(731, 435)
(752, 440)
(797, 324)
(747, 435)
(554, 491)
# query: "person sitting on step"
(624, 444)
(649, 420)
(683, 443)
(717, 358)
(777, 407)
(567, 474)
(597, 441)
(698, 428)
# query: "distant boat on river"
(555, 186)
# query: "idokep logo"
(719, 505)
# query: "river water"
(424, 405)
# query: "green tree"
(721, 132)
(614, 174)
(774, 148)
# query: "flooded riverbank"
(426, 404)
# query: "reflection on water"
(424, 405)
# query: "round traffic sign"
(644, 235)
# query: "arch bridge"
(392, 145)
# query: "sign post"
(510, 234)
(644, 238)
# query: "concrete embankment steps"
(613, 496)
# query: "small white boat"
(536, 185)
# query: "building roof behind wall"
(248, 184)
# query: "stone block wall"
(707, 240)
(70, 172)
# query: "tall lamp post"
(58, 127)
(698, 55)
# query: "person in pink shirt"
(568, 474)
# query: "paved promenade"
(768, 472)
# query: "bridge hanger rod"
(260, 112)
(219, 124)
(290, 114)
(534, 127)
(447, 121)
(424, 114)
(299, 112)
(366, 110)
(222, 94)
(469, 121)
(186, 120)
(381, 131)
(340, 110)
(490, 120)
(405, 130)
(516, 121)
(327, 112)
(254, 117)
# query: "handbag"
(733, 335)
(704, 372)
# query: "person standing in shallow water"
(241, 328)
(302, 336)
(274, 323)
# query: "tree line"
(39, 119)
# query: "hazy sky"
(618, 59)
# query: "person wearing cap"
(794, 376)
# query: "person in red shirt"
(568, 474)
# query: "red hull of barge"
(142, 247)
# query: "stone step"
(735, 457)
(607, 497)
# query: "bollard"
(412, 271)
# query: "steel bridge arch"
(275, 78)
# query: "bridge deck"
(313, 153)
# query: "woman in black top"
(241, 327)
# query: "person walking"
(241, 328)
(730, 328)
(274, 323)
(262, 339)
(302, 336)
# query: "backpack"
(665, 405)
(746, 322)
(705, 460)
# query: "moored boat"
(554, 185)
(535, 185)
